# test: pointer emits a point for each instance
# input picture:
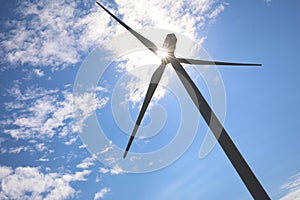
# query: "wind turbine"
(233, 154)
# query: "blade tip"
(125, 154)
(99, 4)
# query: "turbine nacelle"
(170, 43)
(168, 49)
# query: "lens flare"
(162, 53)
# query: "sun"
(162, 53)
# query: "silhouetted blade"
(151, 89)
(235, 157)
(212, 62)
(150, 45)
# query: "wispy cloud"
(291, 188)
(86, 163)
(116, 170)
(31, 183)
(41, 113)
(101, 193)
(18, 149)
(84, 106)
(51, 34)
(58, 33)
(32, 147)
(213, 15)
(43, 116)
(113, 171)
(39, 72)
(186, 17)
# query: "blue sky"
(45, 48)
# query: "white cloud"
(292, 195)
(292, 188)
(40, 146)
(216, 12)
(103, 170)
(31, 183)
(78, 176)
(84, 106)
(182, 16)
(39, 72)
(18, 149)
(86, 163)
(116, 170)
(107, 148)
(98, 179)
(43, 159)
(72, 140)
(29, 148)
(43, 115)
(101, 193)
(53, 33)
(44, 36)
(5, 171)
(58, 33)
(82, 146)
(24, 94)
(113, 171)
(48, 112)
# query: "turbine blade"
(151, 89)
(233, 154)
(150, 45)
(212, 62)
